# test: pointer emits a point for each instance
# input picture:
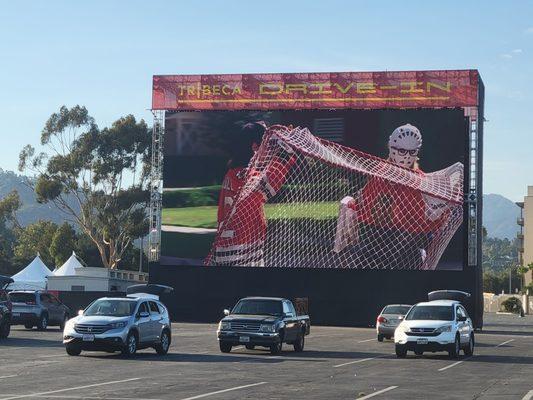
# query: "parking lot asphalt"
(338, 363)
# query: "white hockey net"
(308, 202)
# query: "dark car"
(5, 307)
(263, 321)
(38, 308)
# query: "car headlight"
(118, 325)
(224, 326)
(444, 328)
(404, 328)
(69, 326)
(267, 328)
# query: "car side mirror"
(226, 312)
(80, 312)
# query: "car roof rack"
(149, 290)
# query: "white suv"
(440, 325)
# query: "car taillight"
(382, 319)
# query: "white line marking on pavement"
(68, 389)
(7, 376)
(528, 396)
(377, 393)
(368, 340)
(451, 365)
(44, 396)
(504, 343)
(238, 348)
(223, 391)
(356, 361)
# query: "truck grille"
(245, 326)
(94, 329)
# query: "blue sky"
(102, 54)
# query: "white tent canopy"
(69, 267)
(33, 277)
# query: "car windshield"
(437, 313)
(22, 297)
(401, 310)
(258, 307)
(111, 308)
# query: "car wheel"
(469, 349)
(28, 326)
(276, 348)
(64, 322)
(380, 337)
(73, 350)
(5, 328)
(401, 351)
(130, 347)
(250, 346)
(224, 347)
(43, 322)
(164, 344)
(300, 343)
(455, 349)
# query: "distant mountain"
(499, 216)
(31, 211)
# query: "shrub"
(512, 304)
(202, 196)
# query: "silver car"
(389, 318)
(37, 308)
(123, 324)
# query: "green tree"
(105, 170)
(8, 221)
(63, 243)
(33, 239)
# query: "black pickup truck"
(263, 321)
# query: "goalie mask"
(404, 144)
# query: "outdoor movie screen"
(315, 188)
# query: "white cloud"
(516, 51)
(529, 30)
(506, 56)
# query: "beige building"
(93, 279)
(525, 236)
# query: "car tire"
(164, 344)
(401, 351)
(455, 349)
(43, 322)
(276, 348)
(469, 349)
(5, 328)
(380, 337)
(28, 325)
(130, 347)
(73, 350)
(224, 347)
(250, 347)
(64, 322)
(299, 344)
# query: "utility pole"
(141, 253)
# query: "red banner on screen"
(352, 90)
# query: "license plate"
(88, 338)
(421, 341)
(244, 339)
(16, 314)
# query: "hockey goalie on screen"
(392, 214)
(394, 226)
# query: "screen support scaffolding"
(156, 186)
(471, 196)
